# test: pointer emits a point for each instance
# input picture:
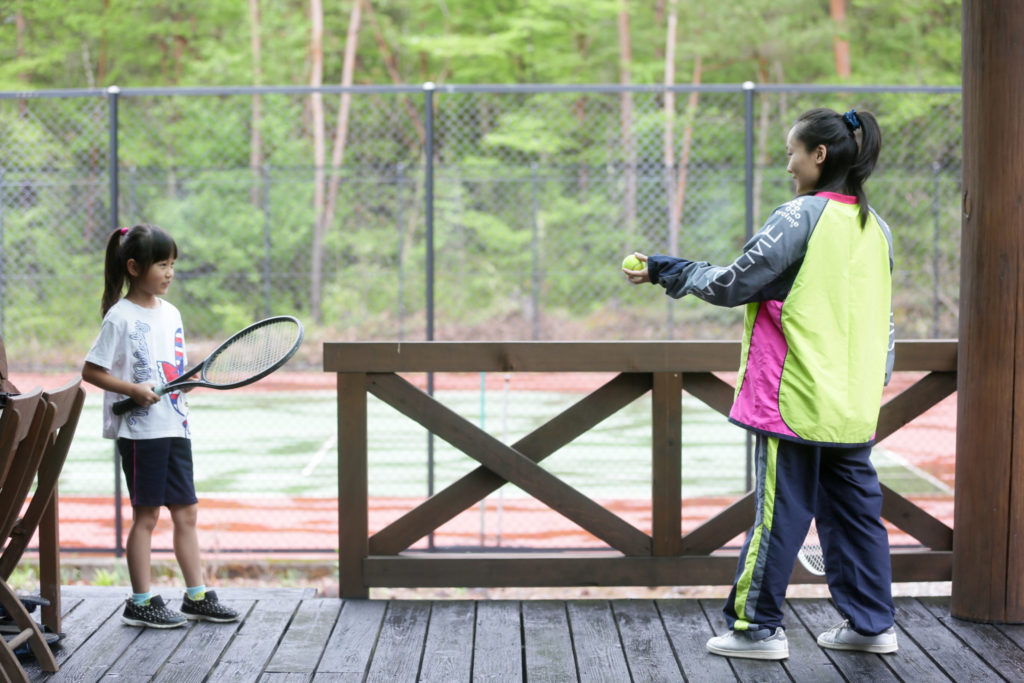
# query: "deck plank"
(547, 642)
(199, 650)
(599, 653)
(147, 654)
(448, 652)
(78, 625)
(941, 644)
(287, 637)
(807, 660)
(400, 645)
(350, 647)
(97, 654)
(1014, 632)
(306, 637)
(247, 655)
(645, 641)
(1000, 651)
(819, 616)
(743, 669)
(498, 645)
(688, 630)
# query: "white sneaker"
(742, 644)
(843, 637)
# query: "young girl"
(816, 352)
(140, 345)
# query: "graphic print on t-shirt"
(172, 371)
(141, 365)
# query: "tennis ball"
(631, 262)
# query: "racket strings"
(252, 353)
(811, 555)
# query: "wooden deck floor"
(292, 635)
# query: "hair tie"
(124, 231)
(852, 122)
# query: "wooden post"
(988, 552)
(666, 464)
(353, 514)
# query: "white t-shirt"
(139, 344)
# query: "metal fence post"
(267, 242)
(113, 93)
(535, 250)
(399, 222)
(748, 200)
(428, 192)
(3, 257)
(937, 218)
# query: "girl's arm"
(101, 377)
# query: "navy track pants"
(839, 489)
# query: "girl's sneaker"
(207, 609)
(154, 614)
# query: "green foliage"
(531, 187)
(115, 576)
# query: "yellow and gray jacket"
(819, 336)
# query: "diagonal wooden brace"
(509, 464)
(473, 487)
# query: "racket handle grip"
(123, 406)
(126, 404)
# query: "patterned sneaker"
(743, 644)
(208, 609)
(843, 637)
(154, 614)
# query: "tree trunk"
(316, 54)
(255, 135)
(761, 144)
(101, 60)
(344, 108)
(676, 215)
(391, 64)
(837, 10)
(19, 51)
(669, 153)
(626, 117)
(579, 108)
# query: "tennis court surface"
(267, 477)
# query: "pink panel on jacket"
(757, 404)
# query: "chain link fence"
(449, 213)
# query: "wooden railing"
(666, 556)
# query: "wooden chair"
(41, 513)
(25, 417)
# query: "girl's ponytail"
(869, 144)
(114, 270)
(145, 244)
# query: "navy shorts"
(158, 471)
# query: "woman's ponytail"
(852, 140)
(869, 144)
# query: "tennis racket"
(247, 356)
(811, 555)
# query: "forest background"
(97, 43)
(346, 200)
